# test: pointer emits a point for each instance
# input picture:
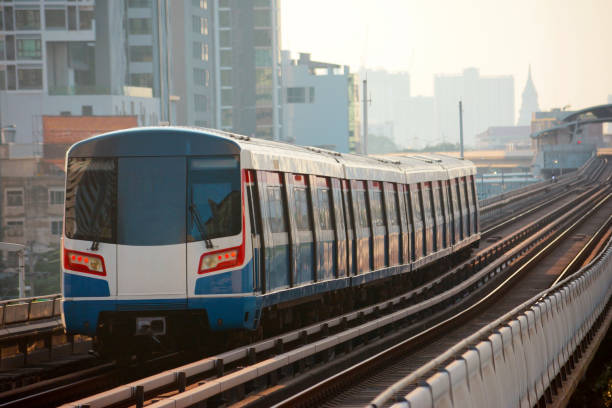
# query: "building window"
(226, 77)
(14, 229)
(87, 110)
(55, 19)
(311, 94)
(140, 26)
(139, 3)
(86, 16)
(224, 3)
(29, 48)
(263, 78)
(199, 25)
(14, 198)
(296, 95)
(141, 53)
(226, 117)
(56, 197)
(201, 123)
(225, 38)
(144, 80)
(200, 102)
(201, 76)
(56, 227)
(203, 4)
(262, 38)
(30, 77)
(200, 51)
(226, 97)
(27, 19)
(262, 18)
(224, 18)
(263, 116)
(2, 48)
(226, 58)
(263, 57)
(261, 3)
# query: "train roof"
(272, 156)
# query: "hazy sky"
(567, 42)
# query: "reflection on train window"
(377, 213)
(302, 206)
(392, 206)
(362, 211)
(325, 220)
(214, 191)
(416, 206)
(275, 206)
(91, 194)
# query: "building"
(509, 138)
(247, 69)
(87, 58)
(388, 96)
(321, 105)
(419, 122)
(529, 103)
(487, 101)
(566, 140)
(193, 62)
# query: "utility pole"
(461, 128)
(365, 116)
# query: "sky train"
(171, 229)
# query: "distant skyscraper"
(487, 101)
(530, 102)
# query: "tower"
(530, 102)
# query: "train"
(177, 233)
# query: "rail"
(524, 354)
(27, 309)
(494, 265)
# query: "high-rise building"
(106, 57)
(388, 96)
(321, 107)
(193, 61)
(247, 67)
(530, 102)
(487, 101)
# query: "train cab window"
(275, 207)
(151, 205)
(214, 196)
(376, 209)
(91, 195)
(302, 205)
(324, 211)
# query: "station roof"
(593, 114)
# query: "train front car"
(154, 245)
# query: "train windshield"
(91, 190)
(214, 198)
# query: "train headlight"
(217, 260)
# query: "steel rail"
(246, 374)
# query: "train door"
(363, 237)
(379, 228)
(428, 218)
(419, 226)
(339, 230)
(304, 251)
(406, 224)
(349, 221)
(151, 214)
(393, 223)
(438, 216)
(324, 227)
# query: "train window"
(302, 206)
(392, 207)
(325, 219)
(91, 195)
(275, 207)
(376, 209)
(362, 210)
(151, 201)
(214, 197)
(416, 205)
(426, 196)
